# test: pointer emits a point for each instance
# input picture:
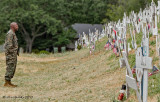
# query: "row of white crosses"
(143, 61)
(89, 39)
(145, 16)
(149, 16)
(121, 27)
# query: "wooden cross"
(143, 63)
(131, 82)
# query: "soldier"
(11, 49)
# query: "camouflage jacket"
(11, 44)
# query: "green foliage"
(79, 47)
(56, 17)
(2, 38)
(36, 51)
(52, 17)
(124, 98)
(114, 13)
(116, 8)
(154, 84)
(152, 43)
(65, 38)
(33, 21)
(76, 11)
(44, 52)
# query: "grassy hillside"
(68, 77)
(73, 77)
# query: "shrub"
(44, 52)
(79, 47)
(36, 51)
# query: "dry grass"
(71, 77)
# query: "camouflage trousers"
(11, 62)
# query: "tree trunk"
(26, 48)
(29, 38)
(30, 47)
(31, 44)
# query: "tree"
(33, 20)
(115, 11)
(76, 11)
(38, 18)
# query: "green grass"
(100, 44)
(154, 87)
(158, 25)
(152, 43)
(132, 59)
(139, 39)
(111, 57)
(158, 98)
(155, 59)
(151, 52)
(2, 38)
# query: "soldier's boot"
(8, 84)
(13, 84)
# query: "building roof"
(80, 28)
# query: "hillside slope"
(69, 77)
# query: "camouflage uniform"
(11, 47)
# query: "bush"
(79, 47)
(2, 38)
(36, 51)
(44, 52)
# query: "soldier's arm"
(9, 43)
